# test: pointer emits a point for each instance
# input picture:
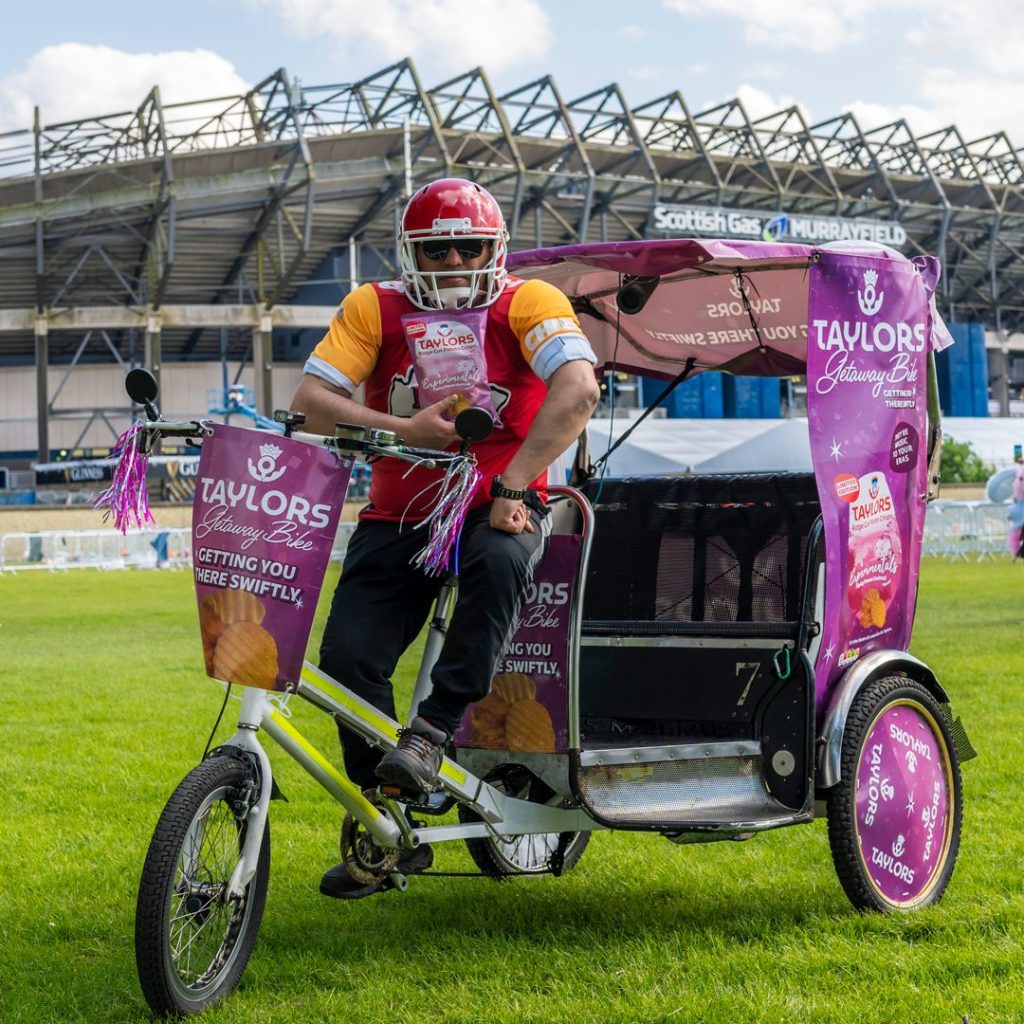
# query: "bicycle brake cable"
(220, 715)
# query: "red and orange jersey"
(531, 331)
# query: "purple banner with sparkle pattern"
(264, 517)
(870, 329)
(527, 709)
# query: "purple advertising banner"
(527, 709)
(264, 517)
(869, 332)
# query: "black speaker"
(634, 292)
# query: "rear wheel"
(894, 817)
(192, 941)
(501, 856)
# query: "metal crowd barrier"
(108, 549)
(953, 530)
(971, 530)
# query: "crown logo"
(869, 300)
(266, 469)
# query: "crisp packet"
(874, 556)
(448, 355)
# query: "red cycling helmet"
(459, 210)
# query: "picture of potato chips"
(211, 625)
(511, 718)
(246, 654)
(487, 718)
(513, 686)
(487, 739)
(872, 610)
(220, 610)
(528, 727)
(489, 713)
(236, 606)
(210, 622)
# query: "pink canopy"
(726, 305)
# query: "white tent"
(674, 446)
(991, 437)
(666, 447)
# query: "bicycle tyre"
(894, 817)
(185, 870)
(503, 857)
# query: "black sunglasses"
(467, 248)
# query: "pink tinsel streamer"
(446, 520)
(126, 498)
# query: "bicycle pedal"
(411, 797)
(437, 802)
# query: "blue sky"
(935, 63)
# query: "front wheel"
(192, 942)
(503, 856)
(894, 817)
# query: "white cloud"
(758, 103)
(73, 80)
(817, 27)
(634, 32)
(942, 30)
(447, 34)
(989, 30)
(874, 115)
(966, 62)
(644, 74)
(977, 104)
(960, 63)
(769, 71)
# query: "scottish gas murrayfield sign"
(722, 222)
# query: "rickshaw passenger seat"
(693, 585)
(699, 555)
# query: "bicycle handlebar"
(374, 443)
(472, 424)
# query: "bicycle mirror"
(142, 389)
(473, 424)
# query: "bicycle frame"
(266, 710)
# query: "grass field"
(108, 707)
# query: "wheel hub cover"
(903, 797)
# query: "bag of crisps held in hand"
(447, 351)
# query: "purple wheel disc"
(904, 794)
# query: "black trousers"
(382, 602)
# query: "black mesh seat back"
(699, 549)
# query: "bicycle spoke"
(209, 854)
(192, 939)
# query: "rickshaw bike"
(700, 657)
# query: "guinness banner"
(162, 468)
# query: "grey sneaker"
(413, 765)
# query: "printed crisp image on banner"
(264, 517)
(869, 331)
(526, 709)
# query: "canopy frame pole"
(685, 372)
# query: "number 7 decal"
(745, 666)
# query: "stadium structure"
(226, 230)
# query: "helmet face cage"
(452, 209)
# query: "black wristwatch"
(499, 490)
